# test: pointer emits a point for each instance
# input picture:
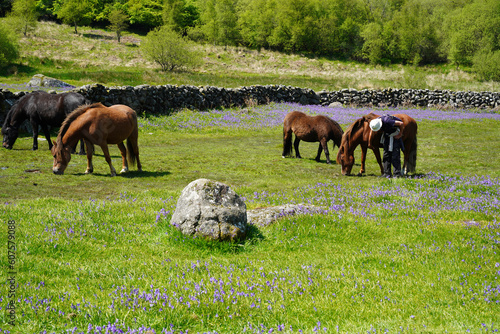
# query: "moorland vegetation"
(416, 42)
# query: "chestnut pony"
(359, 133)
(98, 125)
(310, 129)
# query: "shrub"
(169, 50)
(487, 65)
(9, 49)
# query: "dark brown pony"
(310, 129)
(41, 109)
(359, 133)
(98, 125)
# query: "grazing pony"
(359, 133)
(98, 125)
(41, 108)
(310, 129)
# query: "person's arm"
(401, 126)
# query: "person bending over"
(392, 141)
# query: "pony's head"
(10, 135)
(62, 157)
(344, 156)
(345, 160)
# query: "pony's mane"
(12, 111)
(71, 117)
(356, 125)
(347, 133)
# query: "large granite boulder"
(212, 210)
(40, 80)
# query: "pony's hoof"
(124, 170)
(89, 171)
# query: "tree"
(374, 46)
(169, 50)
(9, 49)
(473, 28)
(74, 12)
(147, 13)
(24, 15)
(416, 34)
(179, 15)
(118, 22)
(256, 22)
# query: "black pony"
(41, 108)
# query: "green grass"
(405, 255)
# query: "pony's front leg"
(296, 146)
(90, 150)
(323, 146)
(364, 148)
(123, 151)
(108, 158)
(34, 126)
(46, 132)
(376, 151)
(82, 148)
(287, 144)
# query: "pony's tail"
(130, 152)
(412, 159)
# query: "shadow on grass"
(131, 174)
(254, 237)
(98, 36)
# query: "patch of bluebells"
(272, 115)
(250, 291)
(435, 193)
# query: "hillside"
(94, 55)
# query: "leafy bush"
(487, 65)
(169, 50)
(9, 49)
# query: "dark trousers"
(392, 158)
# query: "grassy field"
(94, 56)
(97, 254)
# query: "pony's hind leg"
(123, 151)
(133, 150)
(296, 146)
(108, 158)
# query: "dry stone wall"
(167, 98)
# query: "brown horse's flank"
(74, 115)
(311, 129)
(102, 126)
